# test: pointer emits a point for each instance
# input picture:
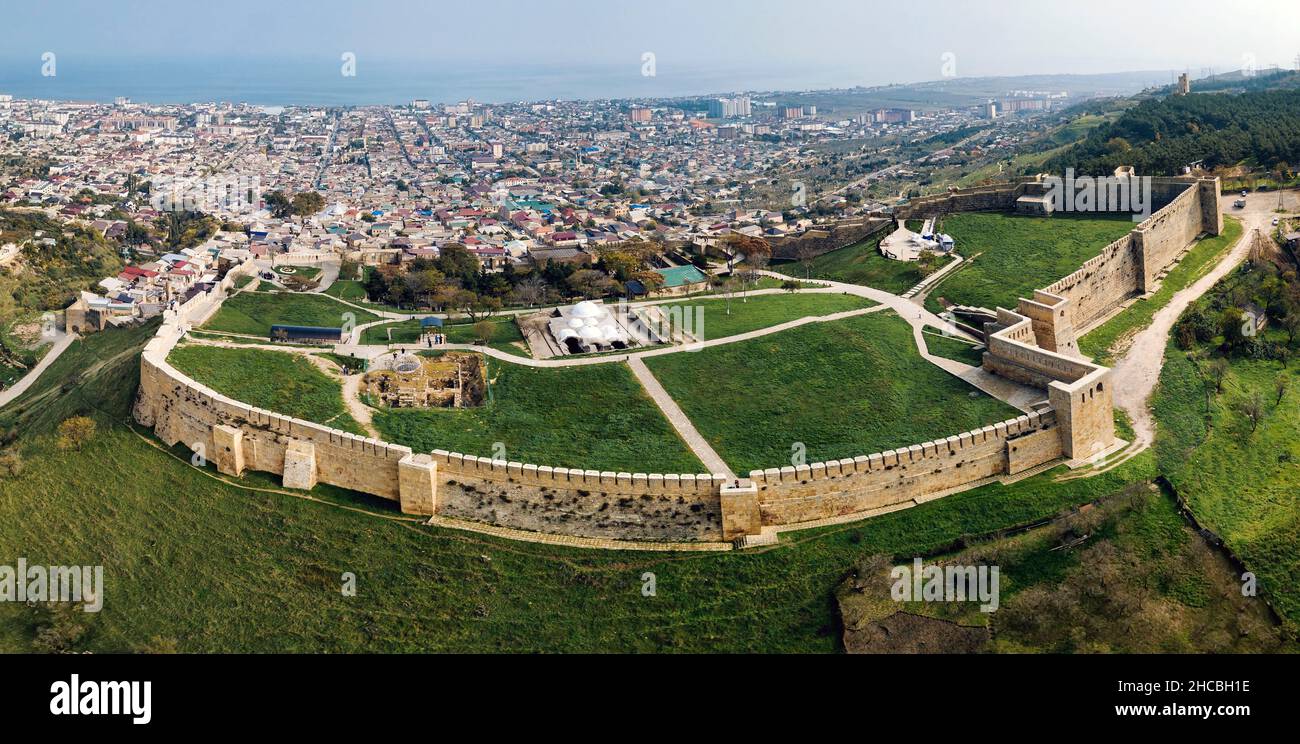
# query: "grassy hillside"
(1239, 478)
(206, 563)
(211, 565)
(860, 263)
(842, 389)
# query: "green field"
(860, 263)
(254, 313)
(842, 389)
(760, 311)
(275, 380)
(506, 337)
(951, 348)
(592, 417)
(1101, 341)
(1019, 254)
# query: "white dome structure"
(588, 327)
(588, 309)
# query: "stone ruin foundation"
(451, 380)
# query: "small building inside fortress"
(589, 327)
(452, 380)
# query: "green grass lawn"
(347, 289)
(301, 272)
(255, 313)
(1019, 254)
(507, 336)
(951, 348)
(217, 567)
(1099, 342)
(860, 263)
(760, 311)
(594, 417)
(277, 381)
(842, 389)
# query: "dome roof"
(566, 334)
(575, 322)
(587, 309)
(590, 333)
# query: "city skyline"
(590, 50)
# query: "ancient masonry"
(1035, 344)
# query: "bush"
(11, 463)
(76, 432)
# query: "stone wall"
(791, 495)
(827, 238)
(1130, 266)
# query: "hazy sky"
(862, 41)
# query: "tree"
(1231, 322)
(456, 261)
(790, 285)
(475, 306)
(424, 285)
(1280, 385)
(591, 283)
(1291, 324)
(76, 432)
(1218, 370)
(1252, 408)
(277, 203)
(620, 264)
(530, 291)
(484, 330)
(306, 203)
(805, 252)
(652, 280)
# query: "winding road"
(1137, 372)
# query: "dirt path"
(363, 413)
(11, 393)
(1137, 372)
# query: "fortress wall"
(791, 495)
(1000, 197)
(1102, 283)
(822, 240)
(1130, 265)
(589, 503)
(584, 503)
(1164, 235)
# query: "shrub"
(76, 432)
(11, 463)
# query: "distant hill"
(1159, 136)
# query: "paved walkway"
(678, 418)
(9, 394)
